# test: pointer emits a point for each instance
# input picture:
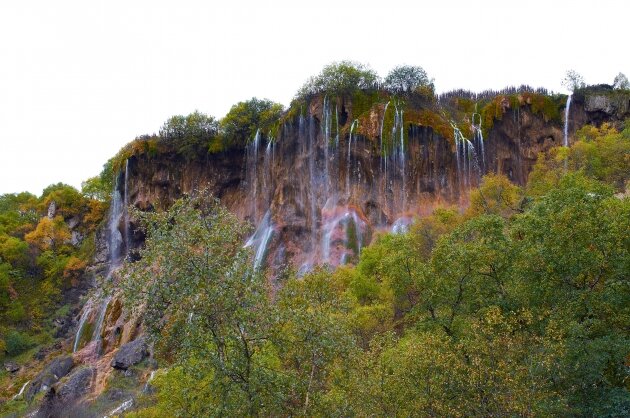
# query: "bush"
(190, 135)
(239, 126)
(17, 342)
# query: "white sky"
(79, 79)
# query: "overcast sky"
(79, 79)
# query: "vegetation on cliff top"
(364, 94)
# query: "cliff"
(331, 177)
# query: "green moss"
(363, 102)
(351, 237)
(432, 119)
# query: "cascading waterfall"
(567, 109)
(260, 240)
(381, 137)
(116, 242)
(341, 232)
(354, 124)
(466, 155)
(126, 207)
(251, 173)
(115, 215)
(87, 310)
(478, 138)
(98, 325)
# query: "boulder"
(11, 367)
(131, 353)
(57, 369)
(77, 385)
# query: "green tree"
(207, 309)
(190, 135)
(338, 78)
(239, 126)
(100, 187)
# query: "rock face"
(319, 191)
(64, 400)
(130, 354)
(45, 380)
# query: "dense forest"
(516, 304)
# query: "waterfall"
(567, 109)
(120, 409)
(82, 322)
(126, 207)
(118, 212)
(312, 149)
(21, 391)
(466, 155)
(251, 173)
(478, 138)
(98, 325)
(260, 239)
(115, 215)
(345, 229)
(349, 161)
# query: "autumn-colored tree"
(50, 234)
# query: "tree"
(50, 234)
(621, 82)
(496, 195)
(340, 78)
(407, 78)
(239, 126)
(207, 309)
(190, 135)
(573, 81)
(100, 187)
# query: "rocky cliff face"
(318, 191)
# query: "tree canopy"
(341, 77)
(407, 78)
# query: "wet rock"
(130, 354)
(11, 367)
(57, 369)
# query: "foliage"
(520, 307)
(244, 119)
(38, 260)
(621, 82)
(100, 187)
(340, 78)
(600, 153)
(17, 342)
(495, 196)
(573, 81)
(407, 78)
(189, 135)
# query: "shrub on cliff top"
(407, 78)
(191, 134)
(239, 126)
(339, 78)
